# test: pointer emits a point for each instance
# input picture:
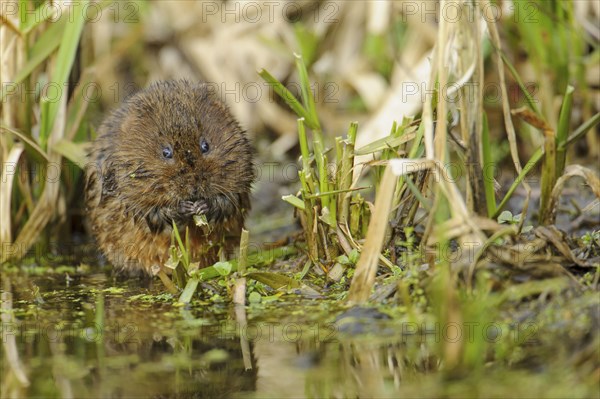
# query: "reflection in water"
(362, 367)
(89, 341)
(93, 344)
(91, 337)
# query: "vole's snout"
(189, 158)
(197, 192)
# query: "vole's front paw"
(191, 208)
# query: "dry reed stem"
(45, 208)
(10, 43)
(443, 48)
(508, 123)
(366, 268)
(570, 171)
(239, 291)
(473, 125)
(552, 235)
(427, 117)
(9, 339)
(436, 146)
(241, 320)
(5, 194)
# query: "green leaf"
(274, 280)
(254, 297)
(354, 255)
(74, 152)
(280, 281)
(327, 217)
(505, 217)
(200, 220)
(188, 292)
(215, 356)
(174, 258)
(343, 259)
(264, 257)
(223, 268)
(295, 201)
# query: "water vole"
(168, 153)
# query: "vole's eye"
(204, 147)
(167, 152)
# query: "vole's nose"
(189, 158)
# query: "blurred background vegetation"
(64, 66)
(514, 95)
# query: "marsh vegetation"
(426, 220)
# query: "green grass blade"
(23, 14)
(562, 133)
(287, 96)
(307, 94)
(581, 130)
(530, 100)
(535, 158)
(295, 201)
(38, 16)
(385, 143)
(307, 40)
(417, 147)
(45, 126)
(417, 193)
(335, 192)
(66, 54)
(177, 236)
(43, 47)
(303, 140)
(26, 140)
(74, 152)
(537, 155)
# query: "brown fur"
(134, 193)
